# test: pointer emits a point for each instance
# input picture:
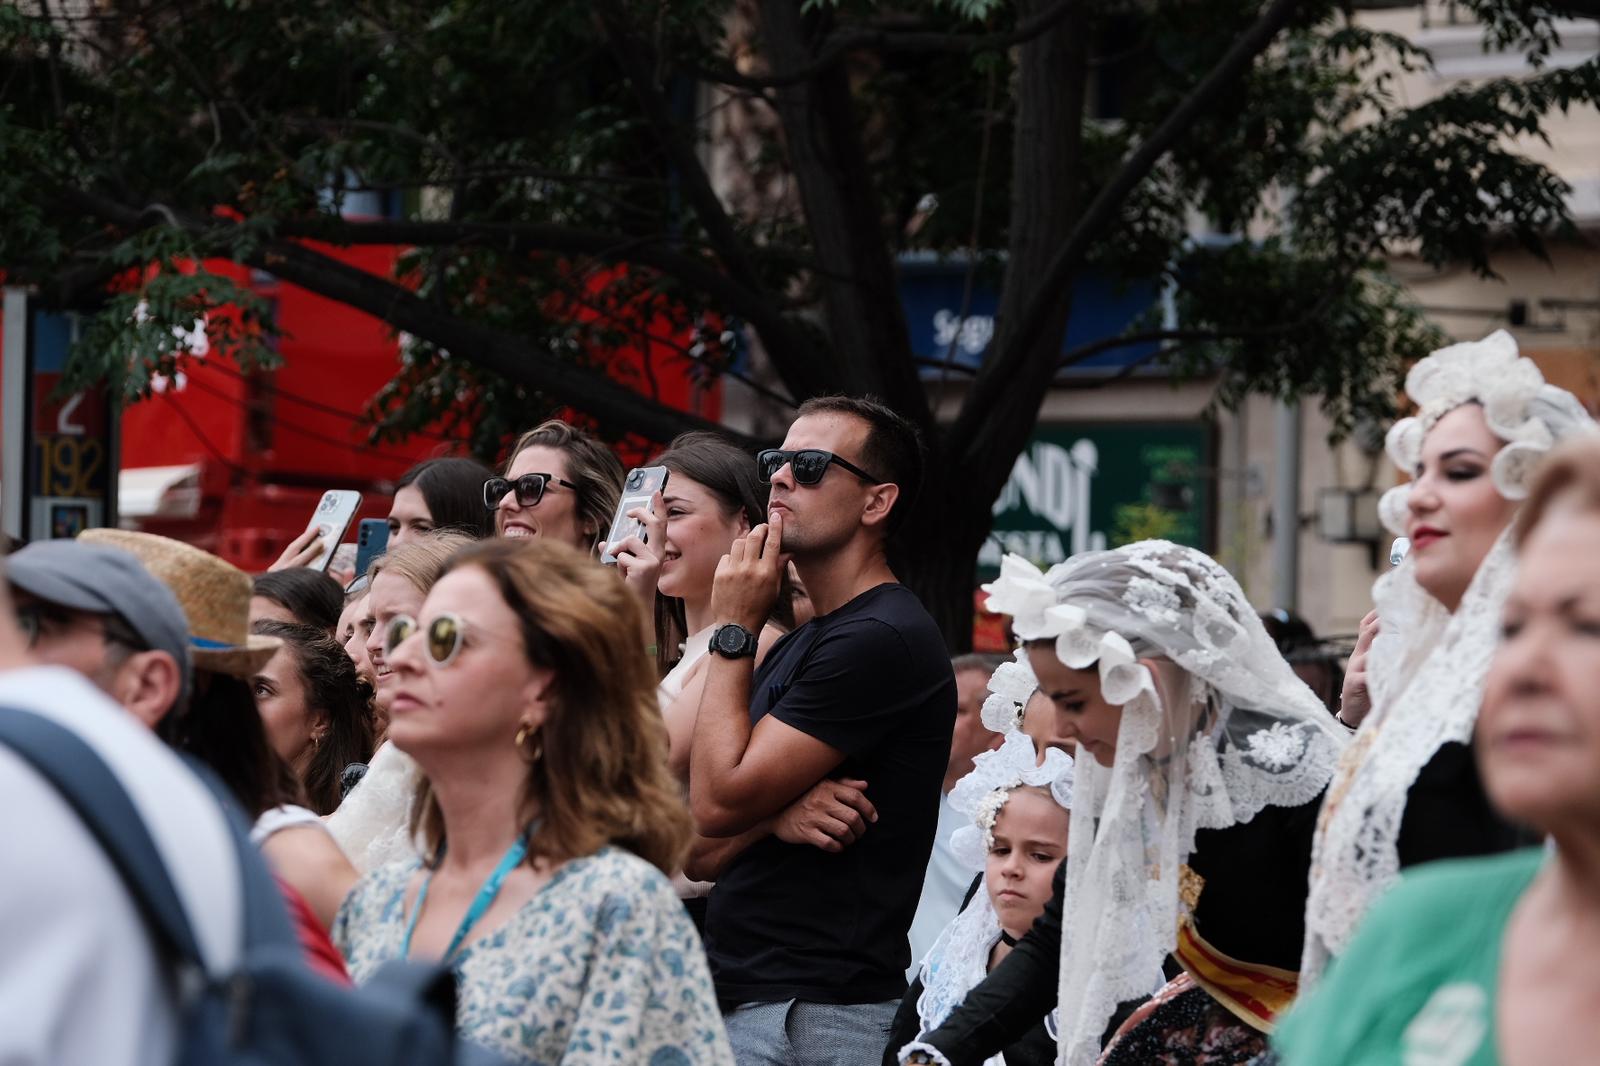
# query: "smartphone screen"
(332, 517)
(637, 488)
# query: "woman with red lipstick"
(1408, 791)
(1486, 961)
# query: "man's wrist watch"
(733, 641)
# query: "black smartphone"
(372, 539)
(638, 487)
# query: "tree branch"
(795, 361)
(1188, 336)
(761, 313)
(1020, 368)
(842, 42)
(614, 405)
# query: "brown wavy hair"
(591, 466)
(603, 777)
(342, 696)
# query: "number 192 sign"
(59, 475)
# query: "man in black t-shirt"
(808, 944)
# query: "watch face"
(730, 639)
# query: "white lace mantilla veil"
(959, 958)
(373, 824)
(1426, 668)
(1225, 730)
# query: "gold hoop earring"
(526, 731)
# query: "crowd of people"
(731, 799)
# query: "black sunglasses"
(530, 489)
(808, 464)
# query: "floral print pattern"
(602, 966)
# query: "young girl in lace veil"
(1201, 761)
(1407, 791)
(1016, 808)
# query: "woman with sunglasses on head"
(370, 824)
(560, 483)
(1488, 960)
(1408, 791)
(548, 820)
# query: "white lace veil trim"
(1221, 729)
(373, 824)
(1426, 668)
(959, 959)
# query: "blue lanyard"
(491, 888)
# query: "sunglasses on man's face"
(442, 638)
(530, 489)
(807, 464)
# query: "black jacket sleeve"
(907, 1024)
(1013, 998)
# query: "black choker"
(1007, 939)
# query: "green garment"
(1417, 986)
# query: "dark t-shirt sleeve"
(857, 683)
(1013, 998)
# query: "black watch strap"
(733, 641)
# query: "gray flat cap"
(102, 580)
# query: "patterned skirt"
(1181, 1025)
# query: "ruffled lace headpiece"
(959, 959)
(1219, 729)
(1427, 666)
(1519, 406)
(981, 794)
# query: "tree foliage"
(547, 167)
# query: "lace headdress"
(1221, 729)
(1426, 668)
(959, 958)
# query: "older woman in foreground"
(548, 819)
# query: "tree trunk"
(1000, 412)
(861, 299)
(967, 470)
(936, 552)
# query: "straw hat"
(214, 594)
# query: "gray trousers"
(795, 1033)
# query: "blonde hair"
(1569, 475)
(422, 561)
(602, 776)
(590, 465)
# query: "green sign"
(1086, 486)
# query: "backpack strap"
(90, 788)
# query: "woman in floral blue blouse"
(547, 817)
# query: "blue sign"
(931, 292)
